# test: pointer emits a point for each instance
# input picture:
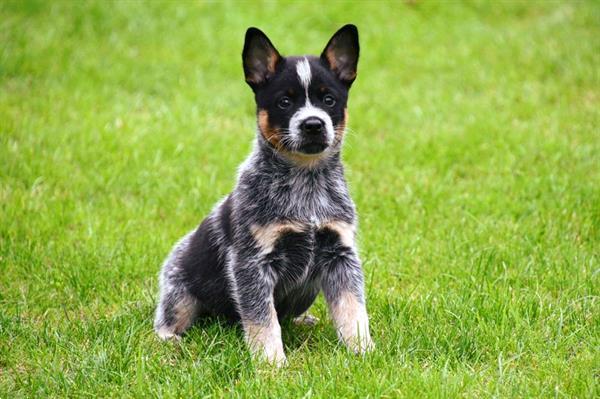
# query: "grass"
(473, 158)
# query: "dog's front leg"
(254, 296)
(344, 292)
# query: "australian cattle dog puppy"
(288, 229)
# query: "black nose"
(312, 126)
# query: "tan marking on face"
(340, 129)
(351, 322)
(305, 160)
(267, 236)
(270, 133)
(264, 340)
(344, 230)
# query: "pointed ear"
(260, 57)
(341, 53)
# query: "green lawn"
(473, 157)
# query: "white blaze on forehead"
(304, 73)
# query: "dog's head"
(301, 101)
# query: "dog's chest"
(300, 250)
(295, 263)
(291, 214)
(310, 200)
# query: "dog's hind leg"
(175, 313)
(177, 308)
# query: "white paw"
(355, 334)
(166, 334)
(275, 356)
(360, 345)
(270, 352)
(306, 320)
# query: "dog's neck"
(268, 179)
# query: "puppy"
(287, 231)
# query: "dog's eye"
(284, 102)
(329, 100)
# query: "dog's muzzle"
(314, 139)
(312, 126)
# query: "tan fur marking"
(344, 230)
(270, 133)
(340, 129)
(351, 322)
(264, 340)
(330, 54)
(185, 312)
(305, 160)
(272, 61)
(267, 236)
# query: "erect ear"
(260, 57)
(341, 53)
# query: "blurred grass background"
(472, 156)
